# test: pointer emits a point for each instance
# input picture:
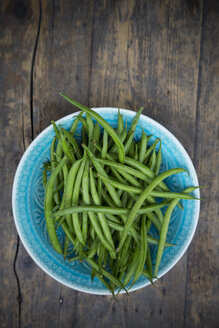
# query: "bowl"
(28, 209)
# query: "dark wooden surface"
(162, 55)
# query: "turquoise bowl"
(28, 195)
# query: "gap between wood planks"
(197, 117)
(19, 296)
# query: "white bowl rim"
(122, 111)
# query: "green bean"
(105, 259)
(48, 205)
(143, 147)
(66, 246)
(138, 190)
(75, 122)
(154, 220)
(152, 161)
(134, 123)
(92, 216)
(84, 123)
(190, 189)
(92, 252)
(93, 274)
(103, 153)
(154, 241)
(149, 151)
(128, 143)
(61, 220)
(68, 233)
(52, 151)
(119, 227)
(100, 277)
(53, 165)
(107, 199)
(142, 198)
(114, 148)
(125, 250)
(75, 258)
(132, 267)
(84, 135)
(69, 188)
(159, 161)
(56, 130)
(129, 178)
(75, 199)
(59, 152)
(66, 149)
(101, 257)
(143, 251)
(159, 215)
(84, 225)
(96, 133)
(102, 219)
(124, 199)
(117, 175)
(163, 234)
(120, 123)
(105, 273)
(165, 194)
(99, 188)
(143, 169)
(123, 268)
(90, 127)
(65, 176)
(113, 218)
(105, 125)
(73, 143)
(107, 210)
(121, 167)
(92, 230)
(44, 178)
(146, 274)
(105, 144)
(136, 152)
(100, 169)
(58, 188)
(148, 263)
(131, 152)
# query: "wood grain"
(63, 59)
(149, 55)
(16, 43)
(202, 297)
(158, 54)
(62, 64)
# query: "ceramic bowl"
(28, 195)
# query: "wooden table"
(158, 54)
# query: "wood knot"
(27, 263)
(20, 9)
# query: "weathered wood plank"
(17, 30)
(147, 53)
(62, 64)
(63, 59)
(202, 297)
(143, 53)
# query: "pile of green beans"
(104, 193)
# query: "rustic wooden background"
(162, 55)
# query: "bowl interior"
(28, 196)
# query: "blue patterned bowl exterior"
(28, 195)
